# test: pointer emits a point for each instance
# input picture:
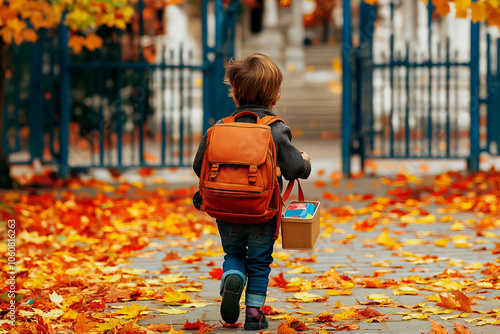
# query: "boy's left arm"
(292, 163)
(198, 159)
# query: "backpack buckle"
(214, 171)
(252, 174)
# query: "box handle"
(289, 188)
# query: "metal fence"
(140, 100)
(410, 100)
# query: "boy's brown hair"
(255, 79)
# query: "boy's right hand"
(305, 156)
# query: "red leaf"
(216, 273)
(278, 281)
(193, 325)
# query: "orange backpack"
(238, 181)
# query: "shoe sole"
(255, 326)
(230, 306)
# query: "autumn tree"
(21, 20)
(479, 11)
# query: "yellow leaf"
(109, 325)
(306, 296)
(171, 311)
(406, 290)
(174, 278)
(474, 266)
(194, 305)
(134, 271)
(176, 298)
(441, 243)
(448, 284)
(385, 239)
(457, 226)
(337, 65)
(416, 315)
(446, 219)
(37, 282)
(132, 311)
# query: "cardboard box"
(300, 233)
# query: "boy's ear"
(276, 99)
(235, 101)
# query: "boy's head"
(255, 79)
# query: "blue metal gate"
(116, 107)
(402, 101)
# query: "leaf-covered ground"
(399, 253)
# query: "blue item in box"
(300, 210)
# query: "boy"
(255, 86)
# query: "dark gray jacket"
(289, 158)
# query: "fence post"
(347, 88)
(207, 70)
(36, 118)
(65, 91)
(224, 49)
(473, 163)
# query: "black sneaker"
(231, 294)
(256, 323)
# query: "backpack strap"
(232, 119)
(268, 120)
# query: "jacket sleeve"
(290, 160)
(198, 159)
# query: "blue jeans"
(248, 254)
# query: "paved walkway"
(408, 266)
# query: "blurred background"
(129, 84)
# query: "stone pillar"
(294, 53)
(270, 40)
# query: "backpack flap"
(247, 146)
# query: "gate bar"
(347, 87)
(474, 98)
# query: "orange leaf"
(496, 250)
(321, 172)
(82, 325)
(171, 256)
(442, 7)
(159, 327)
(319, 183)
(93, 42)
(369, 313)
(478, 11)
(285, 328)
(461, 329)
(149, 157)
(29, 35)
(269, 310)
(437, 328)
(330, 196)
(298, 325)
(458, 301)
(226, 325)
(76, 43)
